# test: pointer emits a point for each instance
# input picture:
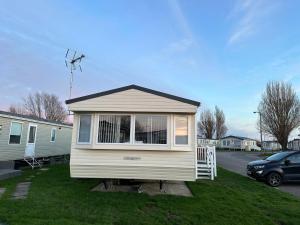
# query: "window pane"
(114, 129)
(181, 132)
(53, 135)
(294, 158)
(16, 128)
(84, 128)
(14, 139)
(159, 130)
(31, 138)
(15, 133)
(151, 129)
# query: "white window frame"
(132, 129)
(10, 132)
(150, 114)
(91, 129)
(53, 128)
(188, 130)
(113, 114)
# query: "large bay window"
(150, 129)
(84, 133)
(133, 129)
(114, 129)
(181, 130)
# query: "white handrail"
(207, 155)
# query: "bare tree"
(33, 104)
(221, 128)
(280, 111)
(207, 123)
(53, 108)
(43, 105)
(18, 109)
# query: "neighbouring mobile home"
(271, 145)
(134, 132)
(238, 143)
(28, 138)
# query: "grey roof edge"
(33, 118)
(133, 86)
(214, 139)
(238, 137)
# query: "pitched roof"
(238, 137)
(32, 118)
(136, 87)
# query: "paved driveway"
(237, 162)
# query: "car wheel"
(274, 179)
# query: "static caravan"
(293, 145)
(27, 138)
(271, 145)
(238, 143)
(133, 132)
(207, 142)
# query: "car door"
(291, 167)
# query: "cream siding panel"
(11, 151)
(43, 146)
(132, 101)
(132, 172)
(164, 165)
(125, 161)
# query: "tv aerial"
(72, 61)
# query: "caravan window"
(53, 135)
(114, 129)
(84, 134)
(181, 130)
(150, 129)
(15, 133)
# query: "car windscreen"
(278, 156)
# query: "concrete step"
(7, 165)
(8, 173)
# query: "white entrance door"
(31, 138)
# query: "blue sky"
(218, 52)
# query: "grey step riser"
(204, 174)
(204, 171)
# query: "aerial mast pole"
(72, 64)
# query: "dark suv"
(280, 167)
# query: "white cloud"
(250, 15)
(243, 128)
(181, 19)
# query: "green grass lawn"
(55, 198)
